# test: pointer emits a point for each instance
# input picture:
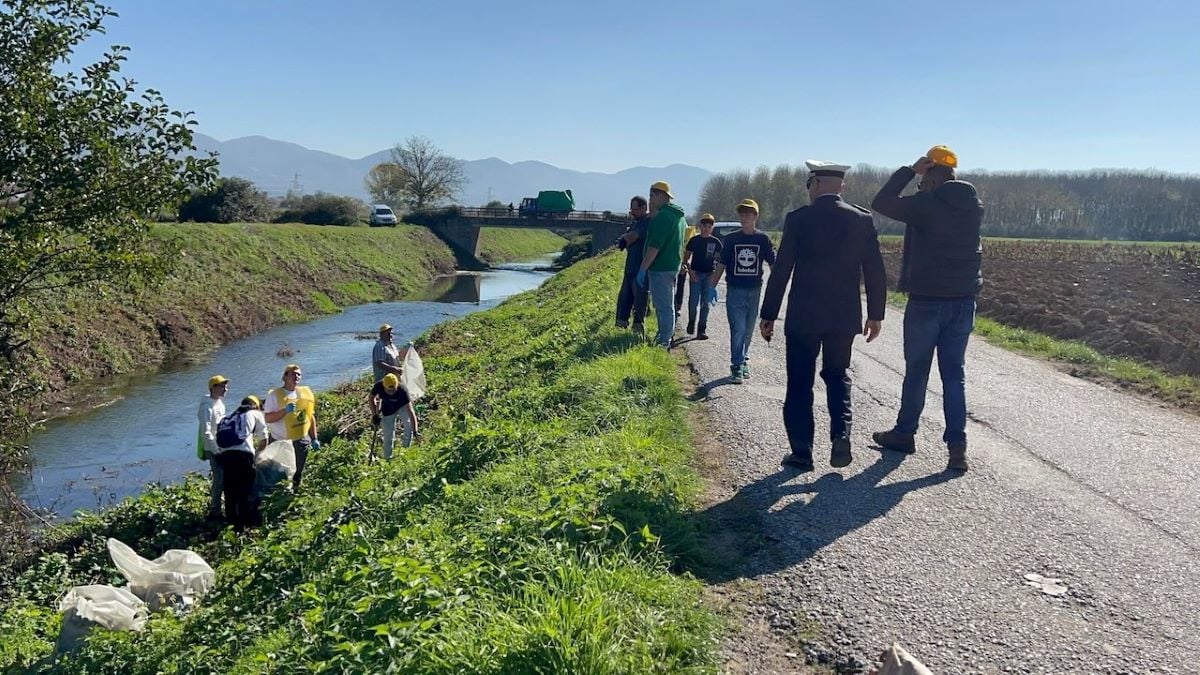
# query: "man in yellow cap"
(291, 415)
(212, 409)
(700, 257)
(662, 259)
(829, 247)
(743, 258)
(940, 272)
(386, 357)
(388, 401)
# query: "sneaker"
(894, 440)
(622, 324)
(839, 454)
(639, 329)
(701, 335)
(800, 462)
(691, 327)
(745, 371)
(735, 375)
(958, 457)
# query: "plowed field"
(1128, 300)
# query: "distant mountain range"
(277, 166)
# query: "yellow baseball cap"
(748, 204)
(662, 186)
(217, 379)
(390, 381)
(942, 155)
(707, 216)
(386, 326)
(253, 401)
(291, 368)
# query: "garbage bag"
(86, 607)
(412, 378)
(276, 463)
(896, 660)
(177, 577)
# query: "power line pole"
(296, 186)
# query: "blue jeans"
(943, 326)
(741, 308)
(698, 295)
(662, 292)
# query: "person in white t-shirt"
(237, 459)
(212, 409)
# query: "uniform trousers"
(802, 351)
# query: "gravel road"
(1069, 480)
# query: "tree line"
(1100, 204)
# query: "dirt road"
(1069, 481)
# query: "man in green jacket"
(664, 252)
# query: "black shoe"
(894, 440)
(839, 455)
(702, 335)
(691, 327)
(799, 462)
(958, 457)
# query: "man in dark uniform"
(827, 248)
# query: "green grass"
(1084, 361)
(534, 528)
(499, 244)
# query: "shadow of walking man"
(746, 536)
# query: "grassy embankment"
(236, 280)
(533, 528)
(499, 244)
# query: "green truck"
(548, 204)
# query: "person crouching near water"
(290, 412)
(389, 401)
(240, 435)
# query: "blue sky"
(608, 85)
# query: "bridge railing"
(515, 213)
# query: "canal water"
(146, 430)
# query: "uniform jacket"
(827, 249)
(942, 248)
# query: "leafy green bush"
(232, 200)
(321, 209)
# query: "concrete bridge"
(460, 228)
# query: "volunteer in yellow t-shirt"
(681, 281)
(290, 412)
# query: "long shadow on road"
(745, 538)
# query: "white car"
(382, 214)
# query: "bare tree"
(417, 176)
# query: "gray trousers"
(218, 485)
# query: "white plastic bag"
(276, 463)
(86, 607)
(412, 378)
(176, 577)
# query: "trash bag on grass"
(176, 578)
(276, 463)
(412, 377)
(88, 607)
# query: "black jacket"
(942, 248)
(827, 249)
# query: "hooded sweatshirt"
(942, 245)
(666, 235)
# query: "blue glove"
(641, 278)
(712, 296)
(289, 408)
(315, 445)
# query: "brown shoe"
(894, 440)
(958, 457)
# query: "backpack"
(233, 429)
